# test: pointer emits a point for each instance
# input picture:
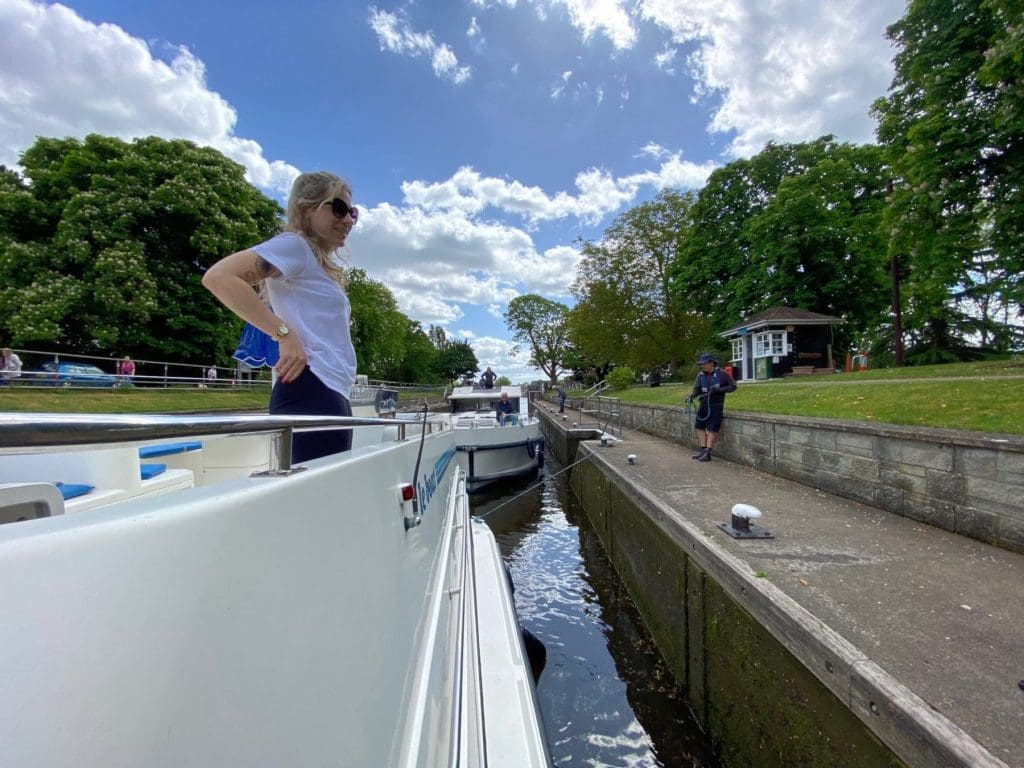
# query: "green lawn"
(134, 400)
(985, 397)
(152, 399)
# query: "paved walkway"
(943, 614)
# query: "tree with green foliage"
(628, 308)
(417, 364)
(540, 324)
(103, 244)
(817, 244)
(1003, 74)
(795, 225)
(456, 361)
(952, 126)
(378, 327)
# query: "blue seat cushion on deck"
(73, 490)
(151, 470)
(152, 451)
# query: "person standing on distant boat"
(305, 283)
(487, 378)
(710, 387)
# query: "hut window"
(770, 344)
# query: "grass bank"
(151, 399)
(983, 397)
(134, 400)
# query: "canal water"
(606, 696)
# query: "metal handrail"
(41, 431)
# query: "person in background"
(211, 374)
(126, 369)
(710, 387)
(311, 312)
(11, 365)
(506, 411)
(487, 378)
(561, 398)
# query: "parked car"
(76, 375)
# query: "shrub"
(621, 378)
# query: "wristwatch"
(282, 331)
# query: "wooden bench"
(803, 370)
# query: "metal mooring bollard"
(631, 458)
(739, 526)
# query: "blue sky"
(483, 138)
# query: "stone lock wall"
(970, 483)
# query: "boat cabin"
(781, 341)
(476, 398)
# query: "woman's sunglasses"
(341, 209)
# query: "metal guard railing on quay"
(39, 432)
(608, 408)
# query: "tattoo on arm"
(260, 272)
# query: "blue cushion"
(151, 470)
(73, 490)
(152, 451)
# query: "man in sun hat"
(710, 388)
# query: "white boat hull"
(264, 622)
(492, 454)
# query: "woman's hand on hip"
(292, 361)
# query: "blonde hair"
(310, 190)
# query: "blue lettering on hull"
(430, 483)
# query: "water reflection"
(606, 695)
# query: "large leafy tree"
(540, 325)
(103, 244)
(455, 361)
(378, 327)
(817, 244)
(712, 273)
(952, 126)
(627, 307)
(417, 364)
(795, 225)
(1003, 72)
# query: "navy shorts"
(712, 422)
(307, 396)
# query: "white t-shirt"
(314, 306)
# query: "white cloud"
(458, 257)
(666, 59)
(607, 17)
(599, 193)
(788, 71)
(64, 76)
(395, 34)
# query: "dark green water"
(606, 696)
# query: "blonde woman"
(310, 317)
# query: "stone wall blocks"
(930, 455)
(859, 445)
(1011, 534)
(978, 524)
(923, 510)
(948, 486)
(980, 490)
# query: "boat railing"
(41, 432)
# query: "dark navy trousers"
(307, 396)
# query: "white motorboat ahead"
(233, 610)
(491, 450)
